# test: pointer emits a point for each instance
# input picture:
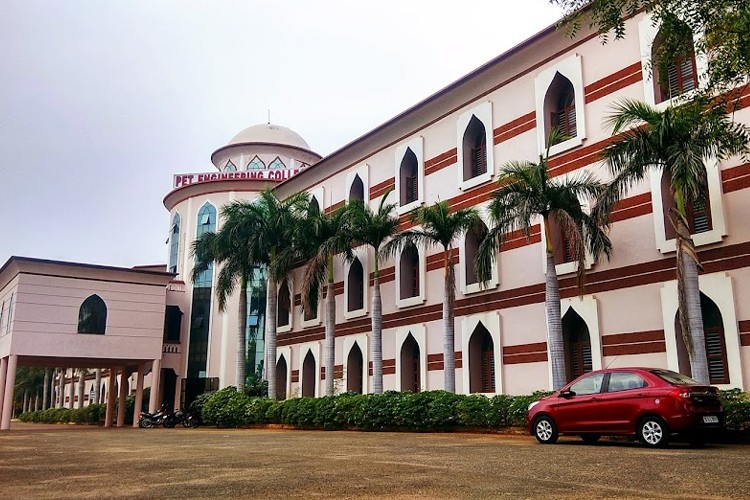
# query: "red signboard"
(276, 175)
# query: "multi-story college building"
(451, 147)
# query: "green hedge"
(91, 414)
(419, 412)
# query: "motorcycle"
(148, 420)
(187, 419)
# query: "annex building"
(451, 146)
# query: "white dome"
(270, 134)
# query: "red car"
(650, 403)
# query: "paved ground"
(66, 461)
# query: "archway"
(354, 368)
(410, 365)
(716, 351)
(481, 361)
(577, 345)
(281, 378)
(308, 376)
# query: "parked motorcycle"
(148, 420)
(187, 419)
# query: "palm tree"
(440, 227)
(527, 191)
(325, 236)
(273, 225)
(230, 248)
(675, 142)
(374, 229)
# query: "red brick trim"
(744, 332)
(736, 178)
(441, 161)
(381, 188)
(614, 82)
(514, 127)
(634, 206)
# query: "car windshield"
(674, 377)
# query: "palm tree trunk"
(98, 386)
(330, 346)
(692, 294)
(36, 400)
(81, 386)
(554, 321)
(45, 390)
(449, 350)
(271, 336)
(61, 389)
(25, 407)
(377, 334)
(71, 389)
(241, 339)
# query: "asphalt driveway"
(66, 461)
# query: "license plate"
(711, 419)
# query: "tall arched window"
(716, 351)
(92, 316)
(206, 223)
(409, 180)
(357, 189)
(475, 149)
(409, 272)
(410, 365)
(679, 75)
(311, 313)
(577, 345)
(256, 164)
(308, 376)
(560, 109)
(471, 245)
(174, 243)
(355, 299)
(698, 213)
(354, 368)
(284, 304)
(229, 167)
(481, 361)
(276, 163)
(281, 379)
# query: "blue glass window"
(256, 164)
(206, 223)
(276, 163)
(174, 243)
(229, 167)
(92, 316)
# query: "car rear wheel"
(545, 430)
(590, 438)
(653, 432)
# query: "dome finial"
(269, 116)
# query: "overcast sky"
(102, 101)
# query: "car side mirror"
(567, 394)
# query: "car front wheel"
(545, 430)
(653, 432)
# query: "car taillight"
(681, 393)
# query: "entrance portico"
(81, 316)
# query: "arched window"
(206, 223)
(409, 272)
(410, 365)
(560, 109)
(311, 313)
(577, 345)
(471, 245)
(276, 163)
(409, 178)
(281, 379)
(256, 164)
(679, 75)
(174, 243)
(357, 189)
(698, 213)
(92, 316)
(284, 304)
(355, 299)
(716, 351)
(481, 361)
(475, 149)
(229, 167)
(308, 376)
(565, 250)
(354, 368)
(314, 205)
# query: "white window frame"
(363, 342)
(494, 280)
(363, 171)
(570, 68)
(483, 112)
(491, 321)
(416, 145)
(419, 332)
(290, 285)
(285, 351)
(363, 255)
(420, 297)
(647, 33)
(587, 307)
(715, 198)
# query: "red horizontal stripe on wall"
(736, 178)
(514, 127)
(534, 357)
(295, 375)
(441, 161)
(334, 207)
(629, 208)
(525, 348)
(614, 82)
(641, 348)
(381, 188)
(633, 337)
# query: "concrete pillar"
(155, 376)
(61, 389)
(3, 375)
(110, 398)
(10, 382)
(71, 389)
(138, 394)
(121, 400)
(45, 389)
(81, 387)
